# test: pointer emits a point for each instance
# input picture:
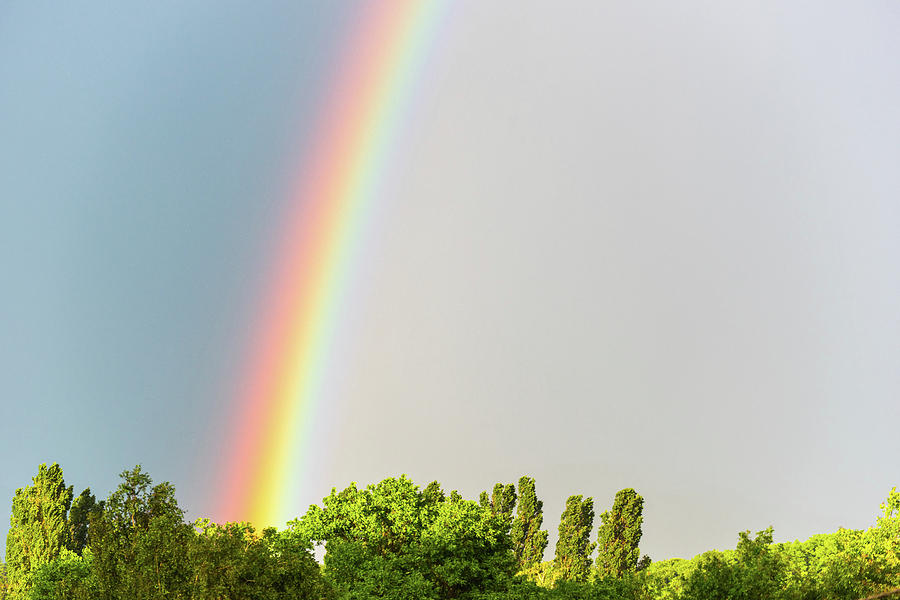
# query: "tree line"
(396, 540)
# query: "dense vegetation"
(396, 540)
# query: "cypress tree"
(502, 500)
(573, 549)
(620, 534)
(529, 541)
(38, 527)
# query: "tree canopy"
(396, 540)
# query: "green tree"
(528, 540)
(140, 541)
(754, 571)
(83, 508)
(502, 500)
(367, 534)
(848, 563)
(66, 577)
(620, 534)
(38, 527)
(843, 565)
(433, 494)
(233, 561)
(889, 531)
(665, 579)
(392, 541)
(573, 549)
(432, 497)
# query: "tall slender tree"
(620, 534)
(573, 549)
(502, 500)
(529, 541)
(83, 508)
(38, 527)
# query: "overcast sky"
(650, 245)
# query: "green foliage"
(140, 542)
(67, 577)
(233, 561)
(84, 507)
(384, 518)
(888, 531)
(466, 549)
(542, 574)
(844, 565)
(38, 527)
(625, 588)
(755, 571)
(136, 546)
(620, 534)
(665, 579)
(390, 540)
(528, 540)
(503, 499)
(519, 588)
(573, 549)
(432, 494)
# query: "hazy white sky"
(650, 245)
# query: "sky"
(650, 245)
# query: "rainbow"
(277, 405)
